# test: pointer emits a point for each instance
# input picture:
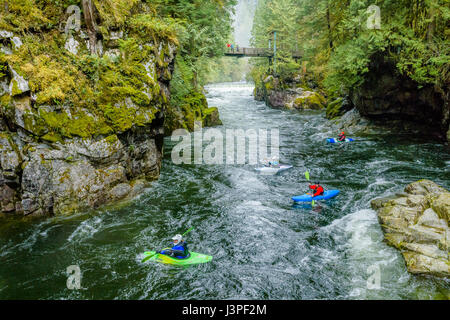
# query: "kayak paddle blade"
(148, 258)
(188, 231)
(307, 175)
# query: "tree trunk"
(432, 25)
(89, 18)
(329, 26)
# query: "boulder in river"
(293, 95)
(417, 223)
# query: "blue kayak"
(332, 140)
(307, 198)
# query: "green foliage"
(339, 48)
(204, 27)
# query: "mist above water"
(243, 21)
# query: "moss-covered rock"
(310, 100)
(334, 108)
(290, 93)
(211, 117)
(194, 108)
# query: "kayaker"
(274, 163)
(179, 249)
(342, 137)
(317, 189)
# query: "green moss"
(96, 90)
(81, 125)
(52, 137)
(121, 118)
(211, 117)
(334, 108)
(15, 89)
(269, 85)
(300, 101)
(313, 101)
(111, 139)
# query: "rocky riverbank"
(294, 94)
(387, 96)
(417, 222)
(384, 100)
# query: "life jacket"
(182, 249)
(342, 137)
(318, 190)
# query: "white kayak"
(273, 170)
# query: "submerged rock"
(418, 224)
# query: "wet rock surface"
(417, 223)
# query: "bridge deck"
(256, 52)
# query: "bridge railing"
(257, 52)
(251, 51)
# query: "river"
(263, 246)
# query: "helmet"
(317, 183)
(342, 132)
(177, 239)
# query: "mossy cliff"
(82, 104)
(192, 108)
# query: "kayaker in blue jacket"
(179, 249)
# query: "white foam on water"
(253, 203)
(247, 181)
(362, 239)
(28, 243)
(86, 229)
(380, 184)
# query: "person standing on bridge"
(237, 48)
(232, 48)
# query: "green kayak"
(194, 258)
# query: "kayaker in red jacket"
(318, 189)
(342, 137)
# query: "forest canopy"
(340, 38)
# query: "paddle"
(307, 178)
(188, 231)
(151, 256)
